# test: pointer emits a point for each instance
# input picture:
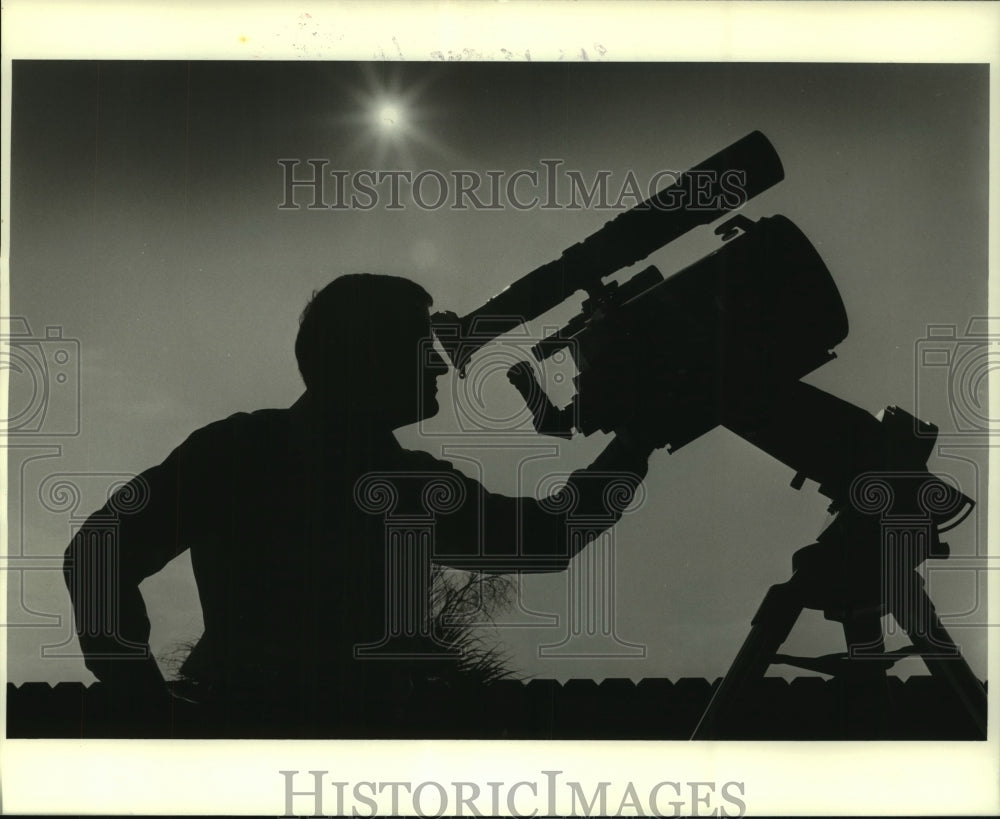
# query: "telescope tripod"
(859, 569)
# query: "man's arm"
(136, 533)
(497, 533)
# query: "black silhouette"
(291, 572)
(725, 342)
(290, 569)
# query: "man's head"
(363, 349)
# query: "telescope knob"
(731, 228)
(545, 416)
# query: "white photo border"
(242, 777)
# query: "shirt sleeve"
(145, 524)
(486, 531)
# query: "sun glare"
(389, 116)
(393, 119)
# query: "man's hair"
(351, 320)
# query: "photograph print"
(512, 400)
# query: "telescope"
(726, 342)
(760, 311)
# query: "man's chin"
(430, 408)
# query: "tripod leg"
(772, 624)
(864, 687)
(916, 614)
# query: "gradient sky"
(145, 223)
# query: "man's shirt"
(296, 531)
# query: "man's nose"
(436, 363)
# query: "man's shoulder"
(418, 459)
(240, 426)
(416, 463)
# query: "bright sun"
(389, 116)
(390, 120)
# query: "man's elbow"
(73, 557)
(533, 549)
(545, 544)
(86, 552)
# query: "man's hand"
(135, 678)
(645, 431)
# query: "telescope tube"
(713, 188)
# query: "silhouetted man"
(291, 571)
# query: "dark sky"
(145, 223)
